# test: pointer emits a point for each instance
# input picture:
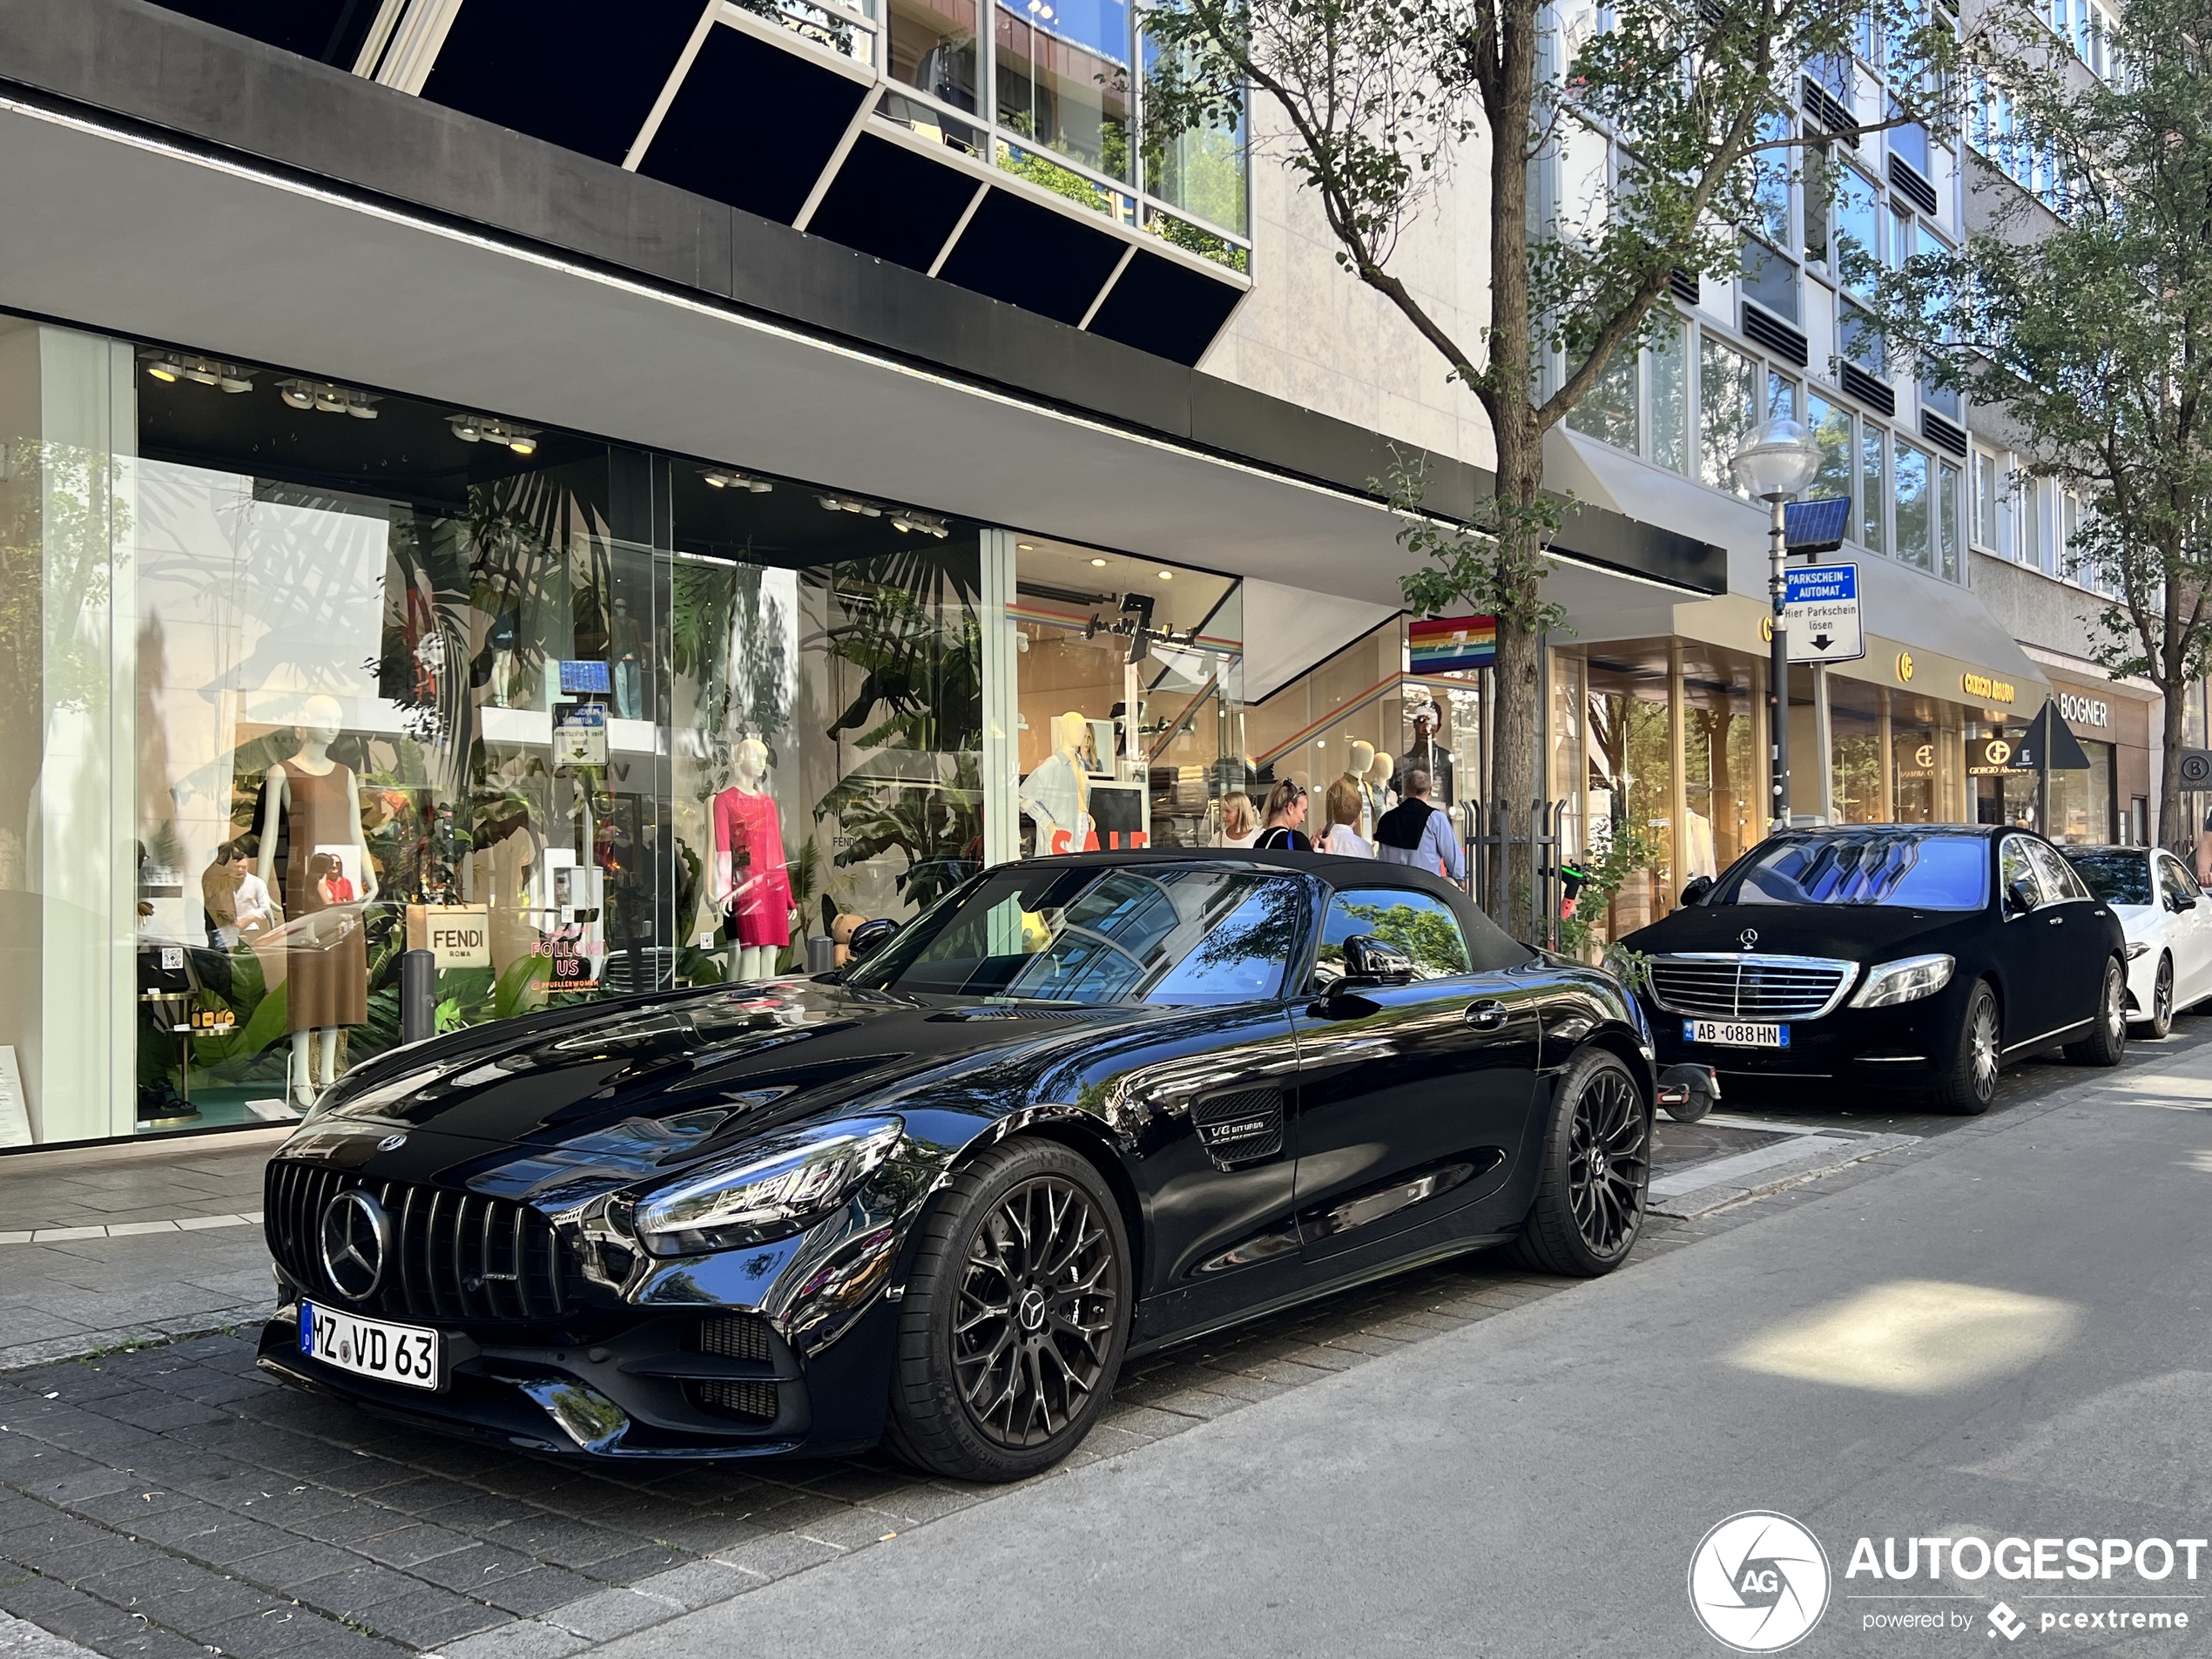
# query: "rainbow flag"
(1439, 643)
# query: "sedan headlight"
(772, 1193)
(1905, 980)
(2138, 948)
(1627, 965)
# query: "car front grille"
(454, 1255)
(1742, 986)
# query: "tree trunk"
(2171, 831)
(1518, 719)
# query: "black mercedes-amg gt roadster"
(1079, 1108)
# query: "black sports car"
(1916, 956)
(1080, 1108)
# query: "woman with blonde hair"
(1239, 823)
(1285, 820)
(1344, 805)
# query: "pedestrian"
(1239, 823)
(1285, 831)
(1344, 806)
(1419, 833)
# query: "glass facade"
(317, 677)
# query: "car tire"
(1971, 1082)
(1015, 1316)
(2108, 1040)
(1594, 1181)
(2161, 1000)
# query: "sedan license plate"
(407, 1354)
(1738, 1034)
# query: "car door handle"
(1486, 1015)
(2057, 921)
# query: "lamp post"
(1777, 460)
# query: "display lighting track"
(330, 398)
(729, 478)
(170, 367)
(849, 504)
(484, 429)
(920, 525)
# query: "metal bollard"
(418, 996)
(821, 954)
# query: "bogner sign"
(458, 936)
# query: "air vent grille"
(755, 1401)
(1942, 433)
(1909, 182)
(1826, 112)
(1240, 1127)
(1877, 396)
(1775, 334)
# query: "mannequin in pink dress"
(750, 882)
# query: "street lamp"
(1778, 459)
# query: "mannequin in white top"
(1055, 797)
(323, 810)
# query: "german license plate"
(1737, 1034)
(407, 1354)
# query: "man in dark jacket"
(1417, 832)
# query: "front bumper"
(1907, 1046)
(651, 1388)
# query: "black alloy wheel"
(2106, 1043)
(2161, 999)
(1595, 1177)
(1015, 1318)
(1966, 1088)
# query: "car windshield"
(1158, 934)
(1907, 868)
(2116, 878)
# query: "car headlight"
(1906, 980)
(2138, 948)
(772, 1193)
(1627, 965)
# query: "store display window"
(1630, 786)
(1130, 717)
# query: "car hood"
(1852, 933)
(2136, 920)
(658, 1080)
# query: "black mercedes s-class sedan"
(1080, 1108)
(1922, 957)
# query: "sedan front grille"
(456, 1255)
(1740, 986)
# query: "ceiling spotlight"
(521, 443)
(297, 393)
(1167, 576)
(849, 504)
(199, 374)
(169, 368)
(164, 372)
(482, 429)
(1025, 546)
(233, 381)
(920, 525)
(466, 427)
(727, 478)
(1098, 564)
(331, 399)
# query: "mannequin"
(1355, 773)
(750, 880)
(1427, 754)
(1380, 795)
(1055, 797)
(312, 804)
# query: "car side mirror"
(1694, 890)
(871, 937)
(2019, 898)
(2183, 902)
(1370, 960)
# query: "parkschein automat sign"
(1822, 603)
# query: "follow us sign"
(1822, 603)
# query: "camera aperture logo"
(1758, 1581)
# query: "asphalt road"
(1999, 1335)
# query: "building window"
(1915, 509)
(1986, 531)
(1873, 492)
(1953, 557)
(1831, 425)
(1608, 411)
(1727, 393)
(1858, 222)
(1670, 381)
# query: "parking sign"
(1822, 602)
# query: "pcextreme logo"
(1758, 1581)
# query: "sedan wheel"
(1596, 1173)
(2108, 1039)
(1015, 1316)
(1971, 1083)
(2161, 999)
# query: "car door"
(2075, 918)
(1211, 1103)
(1412, 1098)
(2189, 927)
(2034, 983)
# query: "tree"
(2086, 315)
(1372, 104)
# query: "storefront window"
(2081, 801)
(1855, 734)
(1916, 760)
(1630, 775)
(1723, 790)
(1131, 724)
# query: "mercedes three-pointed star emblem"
(1748, 939)
(357, 1239)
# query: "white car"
(2168, 925)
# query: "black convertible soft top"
(1489, 947)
